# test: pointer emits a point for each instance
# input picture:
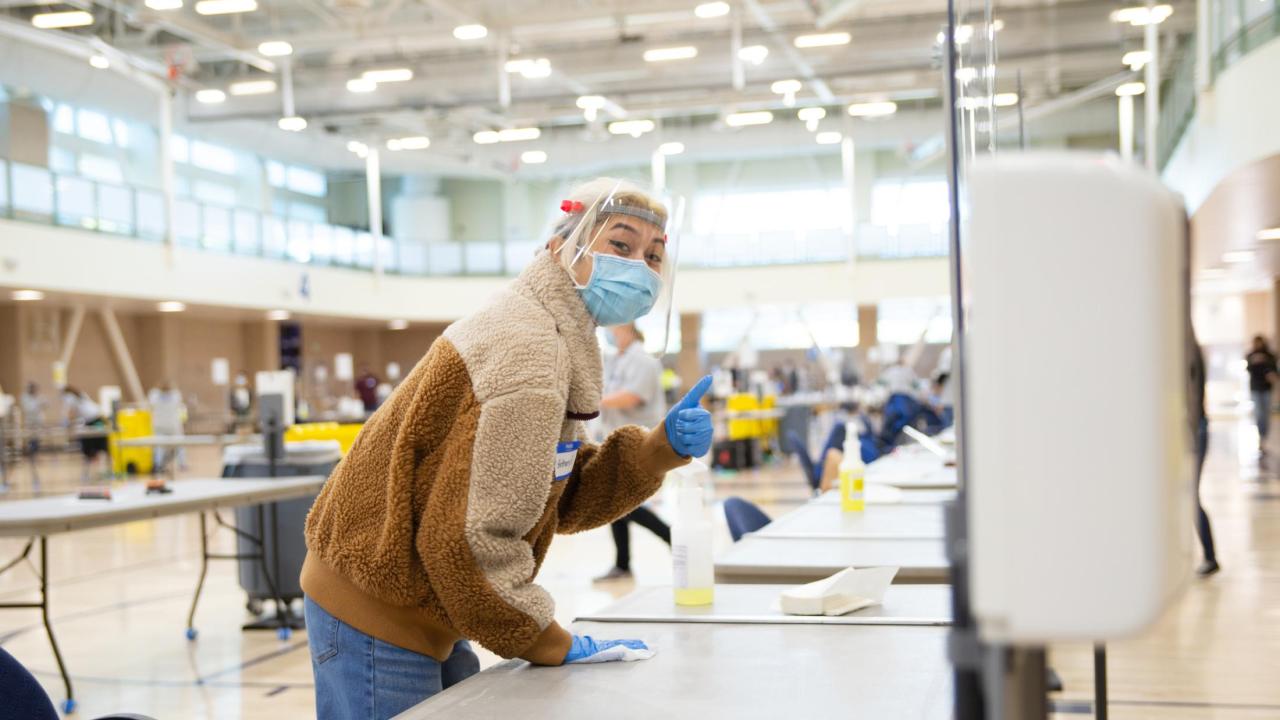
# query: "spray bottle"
(852, 476)
(693, 574)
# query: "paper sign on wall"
(344, 367)
(220, 369)
(59, 374)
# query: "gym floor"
(120, 595)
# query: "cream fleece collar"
(548, 283)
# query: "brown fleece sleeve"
(611, 479)
(474, 536)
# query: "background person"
(1261, 364)
(632, 396)
(167, 417)
(86, 415)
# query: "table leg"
(204, 569)
(68, 705)
(283, 628)
(1100, 681)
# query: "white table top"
(890, 495)
(750, 604)
(747, 672)
(188, 440)
(799, 560)
(827, 520)
(912, 469)
(64, 513)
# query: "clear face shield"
(620, 245)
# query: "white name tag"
(566, 453)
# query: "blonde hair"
(575, 227)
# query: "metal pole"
(849, 173)
(735, 47)
(1100, 682)
(1126, 127)
(166, 167)
(286, 86)
(373, 179)
(504, 80)
(1151, 108)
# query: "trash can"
(286, 548)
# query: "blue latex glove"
(688, 425)
(584, 646)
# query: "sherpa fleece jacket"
(433, 527)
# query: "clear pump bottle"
(693, 574)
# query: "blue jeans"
(359, 677)
(1262, 412)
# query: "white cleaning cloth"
(617, 653)
(844, 592)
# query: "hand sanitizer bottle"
(852, 476)
(693, 573)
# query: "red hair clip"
(571, 206)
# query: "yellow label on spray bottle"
(852, 490)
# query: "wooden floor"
(120, 596)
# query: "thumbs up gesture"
(688, 425)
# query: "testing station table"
(758, 604)
(722, 670)
(756, 559)
(37, 519)
(827, 520)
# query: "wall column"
(689, 360)
(261, 348)
(11, 372)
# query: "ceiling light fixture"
(683, 52)
(997, 24)
(357, 147)
(591, 105)
(413, 142)
(964, 33)
(830, 137)
(397, 324)
(811, 116)
(470, 32)
(671, 148)
(388, 75)
(99, 61)
(361, 85)
(1008, 99)
(634, 128)
(1238, 257)
(533, 157)
(171, 306)
(225, 7)
(745, 119)
(711, 10)
(519, 134)
(275, 48)
(1130, 89)
(293, 123)
(530, 68)
(1142, 15)
(1269, 234)
(822, 40)
(67, 19)
(164, 4)
(787, 89)
(753, 54)
(252, 87)
(210, 96)
(278, 315)
(486, 137)
(26, 295)
(873, 109)
(1136, 59)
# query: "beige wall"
(1259, 315)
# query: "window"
(902, 321)
(64, 119)
(752, 213)
(781, 327)
(275, 174)
(180, 149)
(307, 182)
(910, 202)
(62, 160)
(93, 126)
(214, 193)
(120, 129)
(307, 211)
(97, 167)
(213, 157)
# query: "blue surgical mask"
(620, 290)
